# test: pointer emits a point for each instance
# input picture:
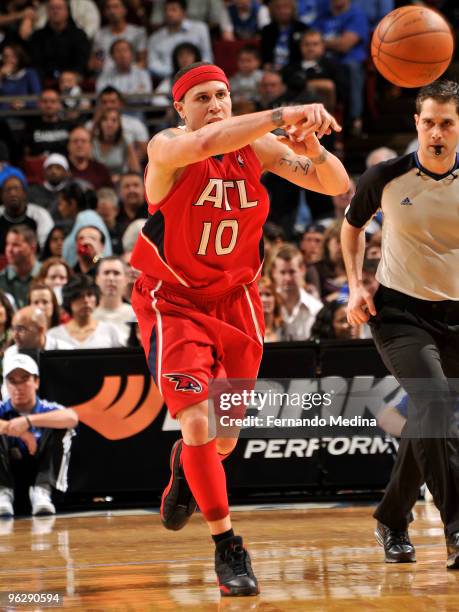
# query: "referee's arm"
(363, 206)
(361, 303)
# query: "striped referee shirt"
(420, 231)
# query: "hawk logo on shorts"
(185, 382)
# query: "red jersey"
(206, 233)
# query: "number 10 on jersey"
(230, 224)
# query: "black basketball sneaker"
(177, 501)
(234, 571)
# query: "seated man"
(17, 210)
(299, 306)
(124, 74)
(28, 427)
(60, 44)
(22, 265)
(29, 327)
(49, 131)
(323, 76)
(56, 174)
(82, 166)
(177, 29)
(131, 192)
(117, 27)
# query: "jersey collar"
(436, 177)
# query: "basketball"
(412, 46)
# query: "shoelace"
(236, 558)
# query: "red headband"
(195, 76)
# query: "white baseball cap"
(56, 159)
(20, 362)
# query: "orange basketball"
(412, 46)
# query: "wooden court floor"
(308, 558)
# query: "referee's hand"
(360, 306)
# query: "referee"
(414, 316)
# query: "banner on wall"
(125, 433)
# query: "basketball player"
(196, 300)
(415, 313)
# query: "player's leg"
(177, 503)
(242, 338)
(180, 345)
(206, 478)
(239, 351)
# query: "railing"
(134, 103)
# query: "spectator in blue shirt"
(29, 433)
(247, 18)
(309, 10)
(280, 40)
(16, 79)
(346, 33)
(375, 10)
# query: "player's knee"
(194, 424)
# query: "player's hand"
(309, 119)
(360, 306)
(309, 146)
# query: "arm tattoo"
(296, 164)
(168, 133)
(277, 117)
(320, 159)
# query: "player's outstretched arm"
(175, 148)
(303, 161)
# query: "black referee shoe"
(234, 571)
(452, 545)
(397, 544)
(177, 501)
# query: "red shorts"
(189, 339)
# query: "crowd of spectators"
(84, 84)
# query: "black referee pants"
(418, 341)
